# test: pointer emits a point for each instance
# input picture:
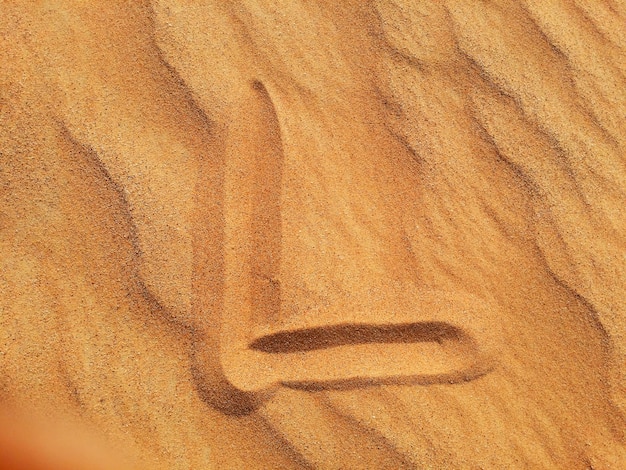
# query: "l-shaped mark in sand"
(441, 337)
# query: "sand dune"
(313, 234)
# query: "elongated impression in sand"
(380, 326)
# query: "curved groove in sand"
(311, 339)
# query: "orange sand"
(311, 234)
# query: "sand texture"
(309, 234)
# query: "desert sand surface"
(307, 234)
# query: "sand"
(310, 234)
